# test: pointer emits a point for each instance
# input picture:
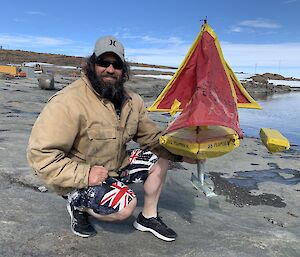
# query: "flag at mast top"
(204, 20)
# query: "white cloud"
(169, 50)
(76, 50)
(19, 20)
(170, 55)
(45, 44)
(259, 23)
(263, 54)
(290, 1)
(25, 41)
(236, 29)
(36, 13)
(154, 40)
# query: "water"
(250, 179)
(280, 111)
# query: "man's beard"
(110, 90)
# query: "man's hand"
(192, 161)
(97, 175)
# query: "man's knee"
(127, 211)
(116, 216)
(160, 167)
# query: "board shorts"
(113, 194)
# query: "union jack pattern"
(119, 197)
(140, 161)
(134, 155)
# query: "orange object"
(21, 74)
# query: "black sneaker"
(80, 224)
(156, 227)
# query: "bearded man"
(78, 145)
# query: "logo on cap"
(112, 42)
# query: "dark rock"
(46, 82)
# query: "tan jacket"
(78, 129)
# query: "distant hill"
(20, 56)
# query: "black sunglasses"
(103, 63)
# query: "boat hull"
(206, 142)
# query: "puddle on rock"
(250, 179)
(20, 90)
(252, 153)
(273, 165)
(237, 189)
(292, 153)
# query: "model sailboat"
(207, 93)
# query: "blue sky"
(256, 36)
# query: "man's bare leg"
(147, 220)
(153, 186)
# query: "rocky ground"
(256, 212)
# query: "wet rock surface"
(256, 212)
(241, 196)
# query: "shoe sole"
(145, 229)
(72, 219)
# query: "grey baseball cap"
(109, 44)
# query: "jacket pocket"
(103, 146)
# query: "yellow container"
(210, 142)
(274, 140)
(8, 69)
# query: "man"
(78, 145)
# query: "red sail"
(212, 101)
(179, 91)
